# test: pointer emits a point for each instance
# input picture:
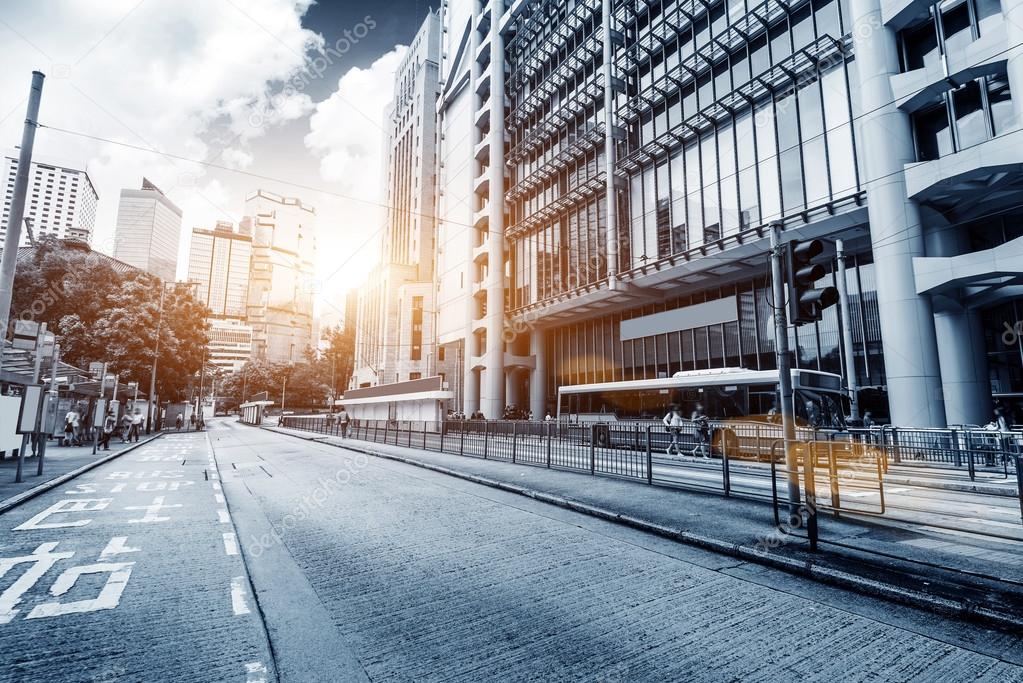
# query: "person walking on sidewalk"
(191, 420)
(342, 422)
(109, 425)
(178, 421)
(135, 425)
(72, 425)
(673, 425)
(702, 423)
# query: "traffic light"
(806, 303)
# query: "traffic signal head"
(806, 303)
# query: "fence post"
(1019, 484)
(969, 457)
(649, 459)
(836, 501)
(810, 486)
(424, 435)
(461, 439)
(895, 446)
(956, 448)
(726, 475)
(410, 433)
(593, 449)
(548, 427)
(486, 439)
(515, 429)
(443, 428)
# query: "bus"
(729, 396)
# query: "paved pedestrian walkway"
(953, 568)
(58, 461)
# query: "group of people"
(674, 422)
(129, 427)
(342, 419)
(198, 423)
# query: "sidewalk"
(951, 572)
(58, 462)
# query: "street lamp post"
(153, 406)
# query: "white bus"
(726, 394)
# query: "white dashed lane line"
(230, 543)
(240, 596)
(223, 517)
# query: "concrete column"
(962, 353)
(512, 379)
(1012, 10)
(907, 320)
(492, 382)
(538, 376)
(471, 384)
(611, 245)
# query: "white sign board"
(31, 407)
(96, 369)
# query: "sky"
(282, 95)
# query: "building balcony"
(513, 362)
(481, 219)
(984, 56)
(483, 84)
(482, 118)
(897, 14)
(482, 150)
(988, 276)
(481, 185)
(479, 290)
(967, 175)
(481, 253)
(482, 55)
(476, 363)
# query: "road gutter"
(810, 569)
(25, 496)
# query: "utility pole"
(847, 342)
(284, 388)
(100, 407)
(781, 346)
(154, 408)
(17, 212)
(53, 397)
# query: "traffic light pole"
(781, 345)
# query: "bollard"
(649, 459)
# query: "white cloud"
(192, 78)
(347, 132)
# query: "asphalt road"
(366, 569)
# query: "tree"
(101, 314)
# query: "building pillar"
(1012, 11)
(538, 375)
(470, 376)
(962, 352)
(611, 245)
(907, 319)
(492, 382)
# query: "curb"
(809, 568)
(1008, 491)
(16, 500)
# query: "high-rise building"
(282, 277)
(148, 231)
(610, 170)
(219, 262)
(61, 200)
(395, 338)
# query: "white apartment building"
(148, 231)
(61, 200)
(219, 261)
(282, 277)
(230, 345)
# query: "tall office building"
(219, 263)
(282, 278)
(395, 337)
(148, 231)
(61, 200)
(610, 170)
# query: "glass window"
(920, 47)
(971, 126)
(1000, 102)
(760, 59)
(988, 13)
(649, 214)
(745, 148)
(955, 24)
(729, 195)
(841, 160)
(780, 45)
(811, 124)
(826, 16)
(802, 27)
(694, 207)
(678, 204)
(767, 163)
(711, 208)
(933, 137)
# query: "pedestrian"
(342, 421)
(72, 425)
(125, 427)
(1001, 420)
(191, 420)
(813, 414)
(548, 418)
(135, 425)
(673, 425)
(109, 425)
(868, 420)
(178, 421)
(702, 424)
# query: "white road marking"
(116, 546)
(117, 488)
(230, 543)
(219, 497)
(109, 596)
(216, 486)
(223, 516)
(151, 511)
(63, 506)
(42, 558)
(255, 672)
(239, 596)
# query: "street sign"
(31, 408)
(25, 333)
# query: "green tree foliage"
(100, 314)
